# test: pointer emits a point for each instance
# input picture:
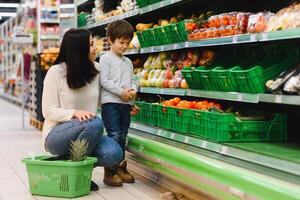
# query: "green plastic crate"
(197, 123)
(137, 117)
(182, 31)
(144, 3)
(253, 80)
(160, 36)
(59, 178)
(222, 79)
(202, 78)
(149, 37)
(182, 120)
(187, 74)
(141, 39)
(166, 117)
(173, 34)
(225, 127)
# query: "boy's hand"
(126, 96)
(133, 94)
(134, 110)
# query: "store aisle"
(16, 144)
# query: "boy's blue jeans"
(116, 119)
(104, 148)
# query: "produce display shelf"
(50, 21)
(211, 175)
(111, 19)
(17, 100)
(158, 5)
(280, 35)
(228, 40)
(230, 96)
(50, 37)
(262, 153)
(166, 91)
(139, 11)
(128, 52)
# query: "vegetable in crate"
(276, 87)
(292, 86)
(142, 27)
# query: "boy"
(118, 89)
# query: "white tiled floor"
(16, 144)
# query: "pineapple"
(78, 150)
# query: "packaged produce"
(285, 18)
(258, 22)
(242, 19)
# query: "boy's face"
(120, 45)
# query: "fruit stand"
(218, 96)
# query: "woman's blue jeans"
(104, 148)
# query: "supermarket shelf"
(213, 176)
(158, 5)
(280, 99)
(128, 52)
(221, 148)
(166, 91)
(50, 37)
(111, 19)
(280, 35)
(11, 98)
(230, 96)
(236, 39)
(66, 15)
(132, 51)
(50, 21)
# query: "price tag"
(234, 39)
(204, 144)
(264, 36)
(239, 97)
(224, 150)
(278, 98)
(253, 37)
(186, 139)
(172, 136)
(186, 44)
(152, 49)
(159, 132)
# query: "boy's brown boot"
(124, 174)
(111, 177)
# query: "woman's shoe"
(124, 174)
(111, 177)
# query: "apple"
(171, 83)
(184, 84)
(159, 82)
(169, 74)
(166, 83)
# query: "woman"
(69, 103)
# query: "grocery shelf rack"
(225, 170)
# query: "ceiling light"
(9, 5)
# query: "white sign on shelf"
(23, 39)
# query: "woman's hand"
(83, 115)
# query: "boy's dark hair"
(74, 51)
(119, 29)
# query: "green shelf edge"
(240, 182)
(227, 149)
(230, 96)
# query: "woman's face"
(93, 54)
